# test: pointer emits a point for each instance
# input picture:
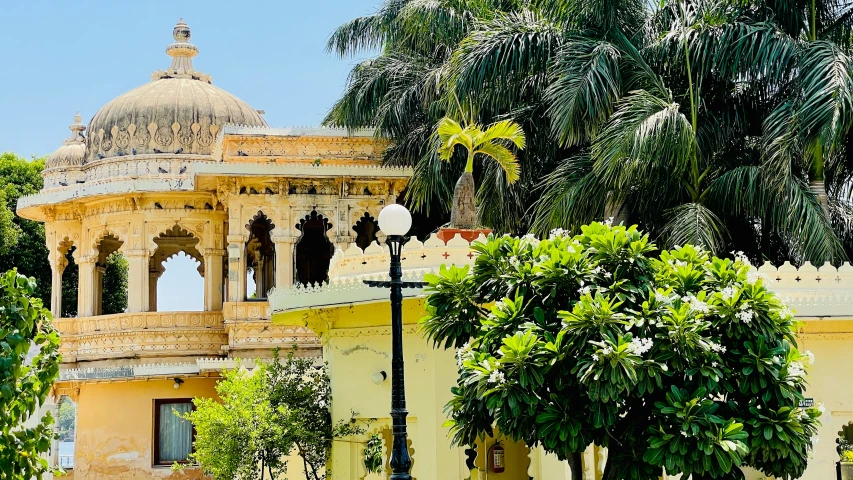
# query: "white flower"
(594, 357)
(696, 304)
(664, 367)
(728, 293)
(753, 276)
(716, 347)
(531, 238)
(741, 257)
(684, 434)
(660, 297)
(776, 359)
(607, 274)
(498, 377)
(714, 364)
(745, 315)
(463, 354)
(609, 222)
(640, 346)
(796, 370)
(322, 403)
(584, 290)
(557, 232)
(810, 356)
(607, 350)
(679, 263)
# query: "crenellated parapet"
(811, 291)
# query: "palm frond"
(503, 130)
(585, 86)
(503, 157)
(366, 33)
(569, 197)
(695, 224)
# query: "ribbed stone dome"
(73, 149)
(180, 111)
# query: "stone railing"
(250, 330)
(416, 255)
(134, 335)
(811, 291)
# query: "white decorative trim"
(811, 291)
(298, 131)
(301, 170)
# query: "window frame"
(156, 437)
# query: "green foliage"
(713, 123)
(373, 454)
(67, 419)
(25, 378)
(263, 415)
(847, 456)
(115, 284)
(671, 359)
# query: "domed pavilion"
(179, 165)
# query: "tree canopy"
(29, 365)
(672, 359)
(720, 123)
(262, 416)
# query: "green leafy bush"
(671, 359)
(25, 378)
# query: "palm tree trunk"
(818, 187)
(464, 212)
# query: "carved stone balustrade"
(811, 291)
(250, 332)
(135, 335)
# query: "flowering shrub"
(670, 359)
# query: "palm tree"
(476, 141)
(657, 106)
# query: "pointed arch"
(260, 254)
(365, 229)
(314, 250)
(173, 242)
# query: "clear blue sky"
(61, 57)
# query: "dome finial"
(182, 53)
(77, 129)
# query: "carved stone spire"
(77, 128)
(182, 53)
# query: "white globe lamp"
(395, 219)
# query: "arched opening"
(70, 280)
(110, 277)
(260, 256)
(313, 250)
(66, 428)
(365, 229)
(176, 273)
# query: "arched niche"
(170, 244)
(366, 228)
(70, 277)
(110, 280)
(313, 252)
(260, 254)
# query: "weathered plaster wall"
(115, 428)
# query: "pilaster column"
(284, 261)
(86, 286)
(57, 268)
(98, 290)
(153, 277)
(236, 268)
(213, 285)
(138, 281)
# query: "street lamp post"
(395, 221)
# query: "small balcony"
(145, 334)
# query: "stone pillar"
(98, 290)
(236, 268)
(138, 281)
(284, 262)
(153, 277)
(213, 285)
(57, 268)
(86, 286)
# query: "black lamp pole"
(401, 461)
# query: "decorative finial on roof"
(182, 53)
(77, 129)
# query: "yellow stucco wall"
(357, 345)
(115, 428)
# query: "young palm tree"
(476, 141)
